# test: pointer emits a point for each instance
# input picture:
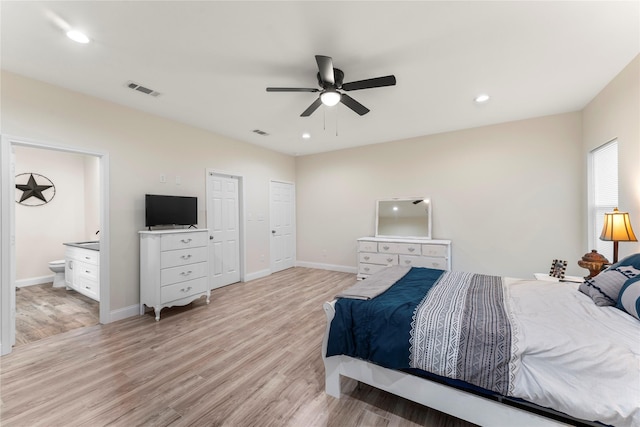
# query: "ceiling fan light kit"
(330, 97)
(330, 80)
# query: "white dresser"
(174, 268)
(377, 253)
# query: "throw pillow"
(604, 288)
(629, 299)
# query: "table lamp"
(617, 228)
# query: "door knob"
(210, 237)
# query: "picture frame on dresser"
(407, 217)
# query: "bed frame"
(448, 399)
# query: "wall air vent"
(140, 88)
(260, 132)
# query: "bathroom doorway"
(73, 208)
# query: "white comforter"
(581, 359)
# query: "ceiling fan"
(330, 81)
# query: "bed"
(494, 350)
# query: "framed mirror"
(406, 217)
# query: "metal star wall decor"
(36, 189)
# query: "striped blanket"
(461, 330)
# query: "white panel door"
(224, 234)
(282, 216)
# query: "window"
(603, 193)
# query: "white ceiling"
(212, 61)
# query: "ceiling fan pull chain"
(337, 122)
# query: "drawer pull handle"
(386, 248)
(389, 259)
(87, 271)
(366, 258)
(87, 287)
(87, 257)
(366, 269)
(186, 256)
(186, 273)
(185, 241)
(412, 249)
(185, 290)
(406, 261)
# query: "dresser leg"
(208, 297)
(157, 310)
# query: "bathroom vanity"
(82, 268)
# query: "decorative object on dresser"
(404, 218)
(174, 268)
(558, 268)
(377, 253)
(594, 262)
(617, 228)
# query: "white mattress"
(581, 359)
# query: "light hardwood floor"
(250, 358)
(43, 311)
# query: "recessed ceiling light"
(481, 99)
(77, 36)
(306, 135)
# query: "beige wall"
(615, 113)
(508, 196)
(141, 147)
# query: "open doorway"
(71, 200)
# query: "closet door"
(224, 229)
(282, 221)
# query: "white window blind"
(603, 193)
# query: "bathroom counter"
(93, 246)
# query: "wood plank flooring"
(250, 358)
(43, 311)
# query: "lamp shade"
(617, 227)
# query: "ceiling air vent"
(140, 88)
(260, 132)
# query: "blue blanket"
(452, 324)
(378, 330)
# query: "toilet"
(57, 267)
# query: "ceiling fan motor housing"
(338, 77)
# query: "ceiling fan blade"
(353, 104)
(370, 83)
(292, 89)
(313, 107)
(325, 67)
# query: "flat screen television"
(170, 210)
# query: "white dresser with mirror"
(377, 253)
(403, 237)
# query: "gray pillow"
(605, 287)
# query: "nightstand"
(545, 276)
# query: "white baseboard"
(332, 267)
(257, 275)
(123, 313)
(34, 281)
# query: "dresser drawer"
(85, 255)
(183, 257)
(370, 268)
(424, 261)
(87, 286)
(182, 290)
(399, 248)
(88, 271)
(376, 258)
(434, 250)
(366, 246)
(170, 242)
(182, 273)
